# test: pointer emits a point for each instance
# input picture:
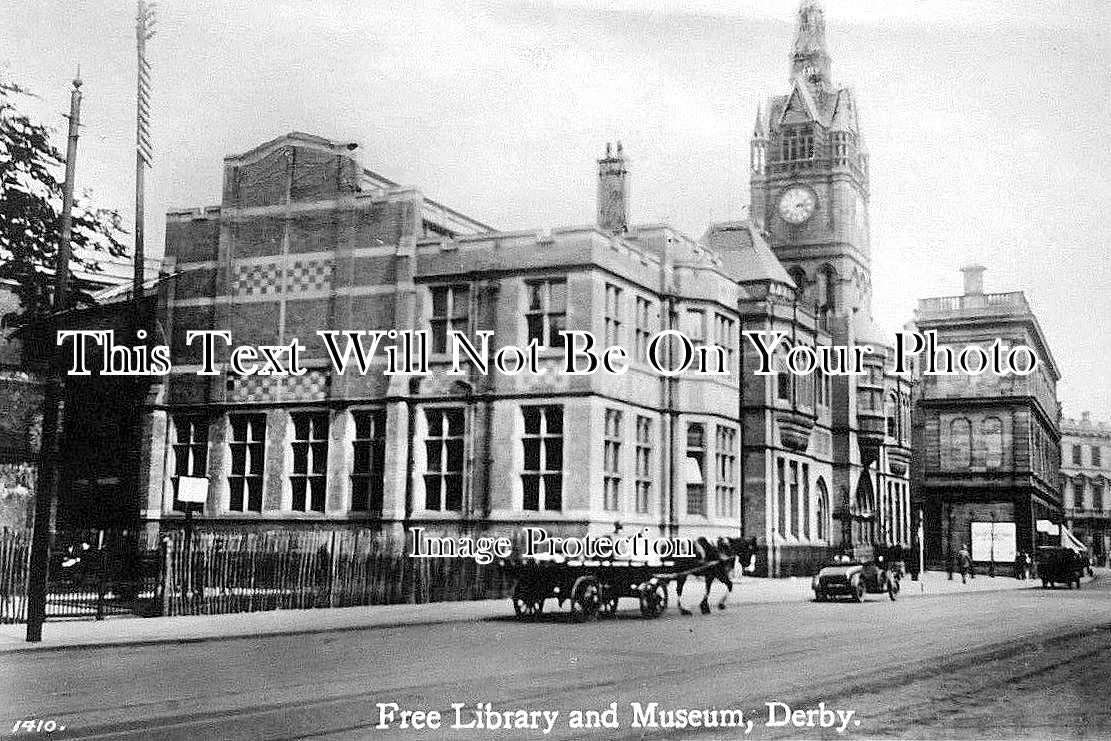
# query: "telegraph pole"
(144, 30)
(46, 486)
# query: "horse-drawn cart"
(592, 588)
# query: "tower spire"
(809, 58)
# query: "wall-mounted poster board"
(993, 541)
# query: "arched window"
(891, 414)
(960, 443)
(822, 508)
(798, 276)
(991, 429)
(827, 290)
(782, 378)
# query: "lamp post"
(991, 565)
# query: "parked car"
(848, 578)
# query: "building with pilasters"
(1085, 482)
(987, 447)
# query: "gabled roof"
(800, 91)
(745, 253)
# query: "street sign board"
(1047, 527)
(993, 541)
(192, 489)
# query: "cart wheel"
(858, 593)
(892, 587)
(608, 601)
(527, 604)
(653, 599)
(586, 599)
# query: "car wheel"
(819, 596)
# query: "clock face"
(797, 204)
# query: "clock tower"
(809, 181)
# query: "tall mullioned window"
(797, 144)
(781, 494)
(190, 451)
(443, 447)
(310, 461)
(1078, 495)
(542, 475)
(805, 528)
(725, 338)
(823, 511)
(1097, 460)
(248, 451)
(643, 328)
(793, 511)
(960, 443)
(696, 465)
(547, 311)
(368, 452)
(612, 461)
(643, 464)
(1097, 496)
(1076, 455)
(613, 315)
(449, 312)
(725, 453)
(696, 326)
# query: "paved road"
(1028, 663)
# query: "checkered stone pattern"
(263, 279)
(312, 386)
(253, 389)
(306, 276)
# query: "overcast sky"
(987, 120)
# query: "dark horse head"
(715, 561)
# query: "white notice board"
(993, 541)
(192, 489)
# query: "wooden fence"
(97, 574)
(225, 572)
(15, 553)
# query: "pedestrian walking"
(964, 561)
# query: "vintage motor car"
(848, 578)
(1060, 565)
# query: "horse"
(715, 562)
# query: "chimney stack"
(613, 191)
(973, 280)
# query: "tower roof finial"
(809, 57)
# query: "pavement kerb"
(476, 613)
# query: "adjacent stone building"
(987, 446)
(1085, 480)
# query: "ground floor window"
(190, 451)
(542, 474)
(443, 478)
(248, 449)
(309, 477)
(368, 453)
